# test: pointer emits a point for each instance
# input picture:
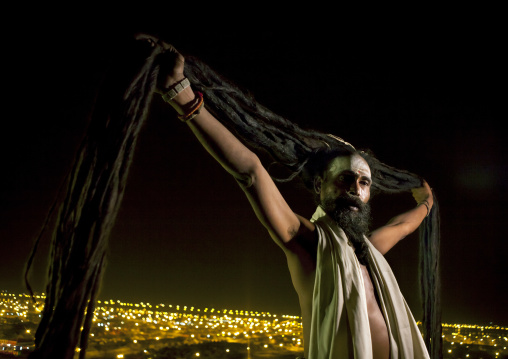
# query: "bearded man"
(350, 301)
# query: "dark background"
(427, 96)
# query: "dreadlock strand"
(430, 282)
(87, 213)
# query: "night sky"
(431, 102)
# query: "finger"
(155, 41)
(152, 40)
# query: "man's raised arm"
(245, 166)
(399, 227)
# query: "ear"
(318, 181)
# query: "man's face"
(345, 175)
(344, 191)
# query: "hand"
(423, 193)
(171, 62)
(172, 65)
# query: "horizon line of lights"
(225, 311)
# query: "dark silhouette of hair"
(97, 181)
(86, 215)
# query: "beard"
(355, 223)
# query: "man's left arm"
(399, 227)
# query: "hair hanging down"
(88, 210)
(97, 181)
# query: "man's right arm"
(268, 204)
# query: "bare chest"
(378, 328)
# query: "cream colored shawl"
(340, 324)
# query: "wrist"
(427, 203)
(171, 80)
(183, 101)
(192, 109)
(179, 95)
(427, 199)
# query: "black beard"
(354, 223)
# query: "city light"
(123, 329)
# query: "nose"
(354, 189)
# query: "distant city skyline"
(126, 328)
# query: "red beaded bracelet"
(194, 111)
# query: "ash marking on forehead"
(354, 163)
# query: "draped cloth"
(340, 324)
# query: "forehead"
(353, 163)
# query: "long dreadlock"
(88, 211)
(97, 181)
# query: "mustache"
(347, 200)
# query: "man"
(351, 305)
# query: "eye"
(345, 178)
(365, 183)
